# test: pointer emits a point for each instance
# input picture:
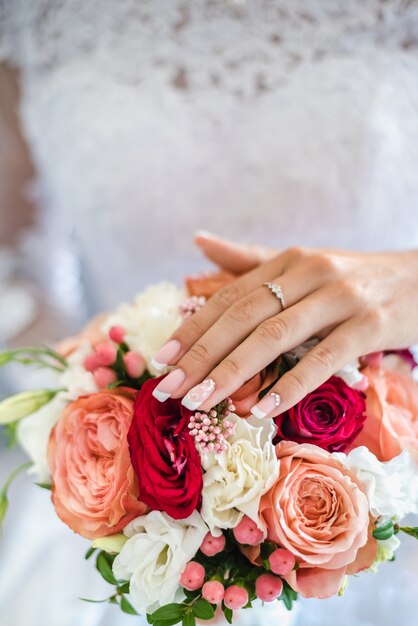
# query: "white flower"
(75, 378)
(391, 487)
(155, 555)
(351, 375)
(33, 435)
(235, 479)
(150, 320)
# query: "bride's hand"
(355, 302)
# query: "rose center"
(316, 501)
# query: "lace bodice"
(276, 121)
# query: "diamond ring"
(276, 290)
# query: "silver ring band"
(276, 290)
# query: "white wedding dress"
(284, 122)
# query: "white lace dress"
(277, 121)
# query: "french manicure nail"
(169, 384)
(197, 395)
(167, 353)
(269, 403)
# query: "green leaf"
(229, 614)
(412, 531)
(105, 569)
(167, 622)
(44, 486)
(189, 620)
(124, 587)
(384, 531)
(288, 596)
(170, 611)
(191, 595)
(203, 609)
(9, 432)
(150, 618)
(127, 607)
(267, 548)
(89, 553)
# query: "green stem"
(10, 354)
(12, 476)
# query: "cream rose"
(155, 555)
(150, 319)
(235, 480)
(318, 510)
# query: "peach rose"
(392, 414)
(247, 395)
(94, 488)
(318, 511)
(92, 333)
(207, 284)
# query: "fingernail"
(205, 233)
(169, 384)
(269, 403)
(167, 353)
(197, 395)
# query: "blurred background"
(126, 126)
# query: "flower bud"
(282, 561)
(268, 587)
(112, 543)
(212, 545)
(193, 576)
(247, 532)
(235, 597)
(213, 591)
(25, 403)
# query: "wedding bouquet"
(192, 513)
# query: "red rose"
(329, 417)
(164, 455)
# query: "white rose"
(150, 320)
(235, 479)
(75, 378)
(351, 375)
(33, 435)
(386, 549)
(391, 487)
(154, 557)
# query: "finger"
(234, 327)
(231, 256)
(273, 337)
(342, 346)
(196, 326)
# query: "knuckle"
(228, 295)
(352, 290)
(296, 253)
(294, 383)
(231, 369)
(199, 353)
(243, 310)
(326, 264)
(374, 318)
(192, 326)
(324, 357)
(274, 329)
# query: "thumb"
(232, 257)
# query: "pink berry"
(213, 591)
(212, 545)
(104, 376)
(91, 363)
(268, 587)
(193, 576)
(105, 353)
(134, 363)
(117, 334)
(281, 561)
(235, 597)
(247, 532)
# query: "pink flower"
(392, 414)
(330, 417)
(94, 488)
(318, 511)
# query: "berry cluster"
(211, 430)
(103, 361)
